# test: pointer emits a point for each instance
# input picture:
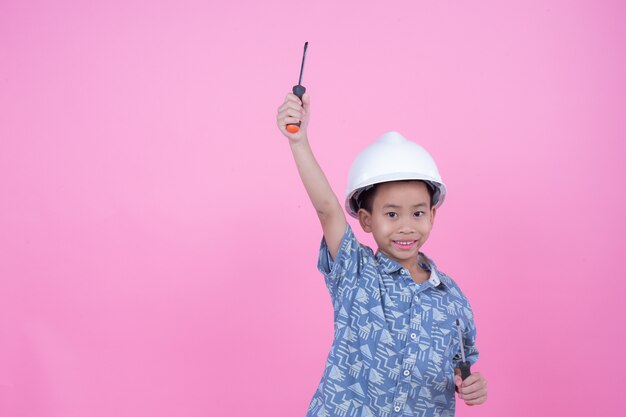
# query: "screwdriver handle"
(465, 370)
(299, 91)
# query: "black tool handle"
(299, 90)
(465, 370)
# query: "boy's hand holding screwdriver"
(294, 110)
(293, 115)
(472, 387)
(472, 390)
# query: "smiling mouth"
(404, 244)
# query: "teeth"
(404, 243)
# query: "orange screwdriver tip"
(293, 128)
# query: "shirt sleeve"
(341, 271)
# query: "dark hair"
(366, 198)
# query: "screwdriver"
(464, 366)
(298, 90)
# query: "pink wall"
(157, 251)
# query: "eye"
(418, 213)
(391, 214)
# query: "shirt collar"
(390, 266)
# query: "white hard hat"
(392, 158)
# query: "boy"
(396, 350)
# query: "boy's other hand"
(473, 390)
(293, 110)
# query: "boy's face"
(400, 221)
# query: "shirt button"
(406, 372)
(413, 336)
(397, 408)
(417, 298)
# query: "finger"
(477, 401)
(291, 110)
(474, 394)
(289, 121)
(473, 383)
(290, 102)
(288, 117)
(290, 105)
(473, 378)
(293, 98)
(475, 387)
(289, 114)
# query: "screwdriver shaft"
(464, 366)
(458, 329)
(306, 44)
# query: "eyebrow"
(394, 206)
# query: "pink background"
(158, 252)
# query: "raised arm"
(324, 200)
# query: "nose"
(407, 226)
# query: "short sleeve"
(342, 271)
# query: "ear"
(365, 218)
(433, 211)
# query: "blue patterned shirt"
(396, 342)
